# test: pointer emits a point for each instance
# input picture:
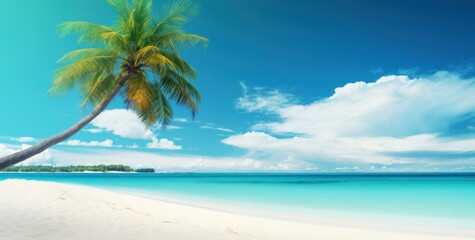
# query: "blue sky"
(287, 86)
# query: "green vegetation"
(145, 170)
(95, 168)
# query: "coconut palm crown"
(140, 51)
(138, 57)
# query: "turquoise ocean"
(428, 195)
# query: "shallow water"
(444, 196)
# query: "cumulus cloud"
(5, 151)
(123, 123)
(391, 106)
(24, 139)
(44, 158)
(367, 122)
(126, 124)
(105, 143)
(163, 144)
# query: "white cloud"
(93, 130)
(169, 127)
(209, 126)
(133, 146)
(5, 151)
(359, 149)
(379, 122)
(251, 163)
(168, 162)
(163, 144)
(244, 87)
(44, 158)
(105, 143)
(263, 101)
(392, 106)
(182, 120)
(198, 163)
(124, 123)
(24, 139)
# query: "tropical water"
(443, 196)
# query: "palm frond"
(93, 33)
(88, 53)
(140, 19)
(151, 56)
(122, 7)
(181, 91)
(138, 93)
(67, 77)
(174, 16)
(181, 66)
(98, 88)
(172, 41)
(161, 110)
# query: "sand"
(46, 210)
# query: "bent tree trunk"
(22, 155)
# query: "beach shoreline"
(49, 210)
(331, 218)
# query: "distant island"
(79, 168)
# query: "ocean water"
(435, 196)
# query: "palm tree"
(138, 57)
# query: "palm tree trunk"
(22, 155)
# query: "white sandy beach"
(53, 211)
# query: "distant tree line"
(145, 170)
(79, 168)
